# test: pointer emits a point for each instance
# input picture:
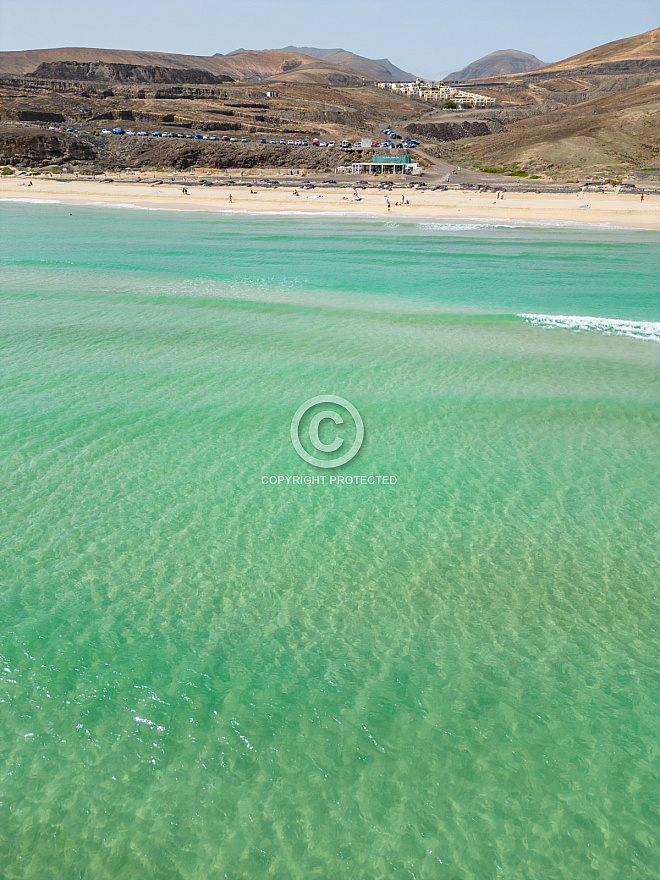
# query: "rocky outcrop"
(43, 148)
(454, 131)
(38, 116)
(122, 73)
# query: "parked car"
(214, 137)
(128, 131)
(190, 136)
(322, 144)
(244, 140)
(305, 144)
(283, 142)
(205, 137)
(52, 128)
(103, 130)
(233, 140)
(142, 134)
(299, 143)
(345, 145)
(290, 143)
(117, 130)
(331, 143)
(273, 142)
(198, 137)
(225, 137)
(262, 141)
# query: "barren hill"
(641, 47)
(380, 69)
(615, 133)
(245, 65)
(504, 62)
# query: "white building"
(426, 90)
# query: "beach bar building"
(382, 165)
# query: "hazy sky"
(428, 37)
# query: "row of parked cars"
(405, 142)
(344, 145)
(170, 134)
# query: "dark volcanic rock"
(39, 116)
(99, 71)
(454, 131)
(25, 148)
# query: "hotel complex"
(436, 91)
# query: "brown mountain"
(502, 63)
(380, 69)
(642, 47)
(616, 134)
(244, 65)
(598, 111)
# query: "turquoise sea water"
(202, 676)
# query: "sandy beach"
(622, 210)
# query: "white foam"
(649, 330)
(462, 227)
(35, 201)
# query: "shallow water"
(203, 676)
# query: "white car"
(106, 131)
(142, 134)
(128, 131)
(331, 143)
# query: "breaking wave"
(649, 330)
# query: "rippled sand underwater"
(454, 676)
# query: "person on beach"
(230, 198)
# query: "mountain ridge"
(503, 62)
(381, 69)
(256, 65)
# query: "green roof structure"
(391, 160)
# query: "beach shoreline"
(614, 210)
